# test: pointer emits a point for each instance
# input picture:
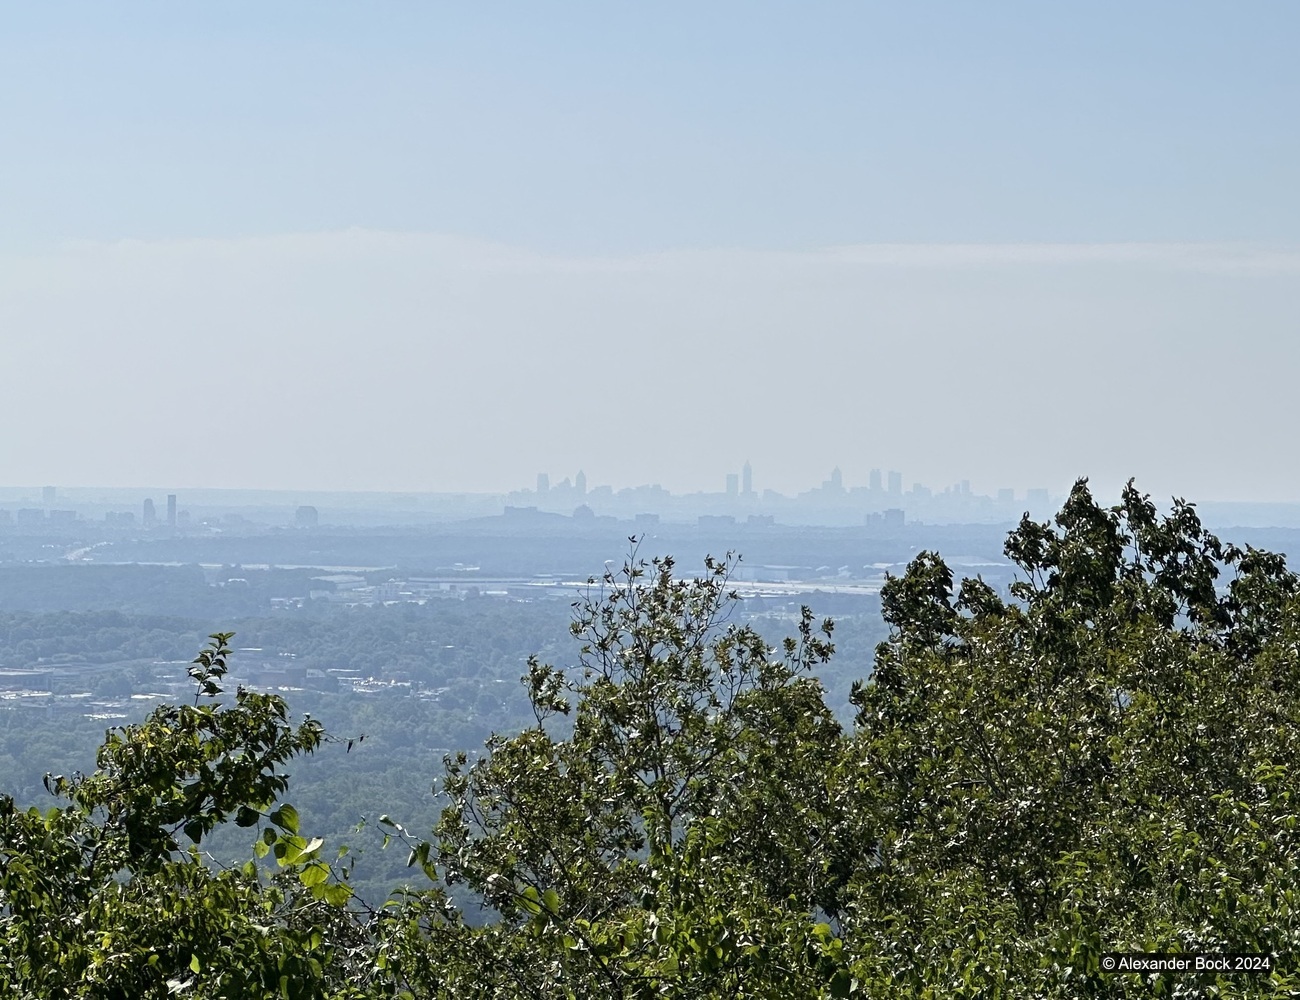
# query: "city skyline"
(877, 480)
(63, 509)
(866, 479)
(739, 484)
(833, 502)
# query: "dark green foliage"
(1101, 758)
(98, 897)
(1093, 764)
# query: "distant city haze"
(429, 247)
(382, 361)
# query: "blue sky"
(626, 127)
(159, 138)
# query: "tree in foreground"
(1102, 759)
(676, 837)
(107, 895)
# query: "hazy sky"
(426, 246)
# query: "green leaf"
(286, 818)
(336, 893)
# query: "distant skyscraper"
(543, 483)
(895, 482)
(874, 481)
(733, 484)
(747, 480)
(171, 510)
(150, 516)
(48, 495)
(306, 517)
(580, 482)
(837, 479)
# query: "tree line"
(1099, 760)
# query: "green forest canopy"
(1101, 760)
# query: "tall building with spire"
(580, 483)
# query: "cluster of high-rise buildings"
(832, 501)
(881, 499)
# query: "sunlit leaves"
(98, 897)
(695, 752)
